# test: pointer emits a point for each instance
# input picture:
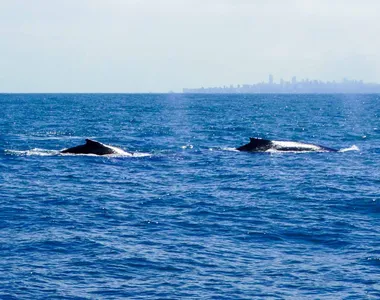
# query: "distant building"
(270, 81)
(303, 86)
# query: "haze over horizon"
(157, 46)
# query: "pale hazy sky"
(162, 45)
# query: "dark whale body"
(93, 147)
(262, 145)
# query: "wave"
(272, 150)
(121, 153)
(34, 151)
(224, 149)
(46, 152)
(352, 148)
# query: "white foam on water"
(46, 152)
(229, 149)
(141, 154)
(352, 148)
(34, 151)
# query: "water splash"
(46, 152)
(225, 149)
(352, 148)
(33, 152)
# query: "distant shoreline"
(305, 86)
(281, 93)
(189, 93)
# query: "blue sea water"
(188, 217)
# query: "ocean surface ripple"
(187, 216)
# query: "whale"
(94, 147)
(263, 145)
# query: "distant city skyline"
(294, 86)
(157, 46)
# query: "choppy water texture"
(187, 217)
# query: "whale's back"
(263, 145)
(91, 147)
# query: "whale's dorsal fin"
(92, 143)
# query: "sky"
(137, 46)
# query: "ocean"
(187, 216)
